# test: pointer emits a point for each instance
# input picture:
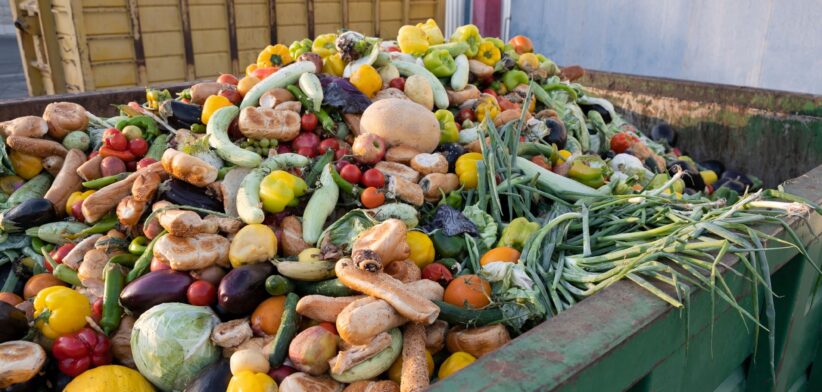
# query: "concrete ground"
(12, 79)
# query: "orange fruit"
(501, 253)
(468, 290)
(266, 318)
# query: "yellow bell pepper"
(249, 71)
(432, 32)
(75, 197)
(495, 41)
(528, 62)
(325, 45)
(60, 310)
(422, 248)
(469, 34)
(466, 169)
(281, 189)
(248, 381)
(488, 53)
(25, 165)
(254, 243)
(487, 106)
(412, 40)
(274, 56)
(109, 378)
(333, 65)
(212, 104)
(455, 363)
(367, 80)
(562, 156)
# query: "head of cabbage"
(171, 343)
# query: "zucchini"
(376, 365)
(320, 206)
(248, 196)
(406, 69)
(468, 317)
(311, 86)
(278, 349)
(278, 285)
(217, 131)
(280, 79)
(30, 213)
(158, 147)
(328, 288)
(549, 181)
(460, 78)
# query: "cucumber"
(217, 131)
(376, 365)
(406, 69)
(158, 147)
(468, 317)
(454, 48)
(278, 349)
(248, 196)
(278, 285)
(280, 79)
(311, 86)
(460, 78)
(328, 288)
(320, 206)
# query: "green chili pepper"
(517, 232)
(112, 312)
(142, 264)
(326, 121)
(318, 166)
(125, 259)
(572, 94)
(452, 264)
(198, 128)
(344, 185)
(47, 258)
(223, 171)
(66, 274)
(102, 226)
(37, 244)
(158, 147)
(453, 199)
(105, 181)
(138, 245)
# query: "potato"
(110, 166)
(419, 90)
(402, 123)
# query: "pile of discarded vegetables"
(352, 214)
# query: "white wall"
(759, 43)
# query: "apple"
(227, 79)
(77, 211)
(145, 162)
(233, 95)
(368, 148)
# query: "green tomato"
(78, 140)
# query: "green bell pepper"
(143, 122)
(585, 174)
(447, 246)
(469, 34)
(298, 48)
(516, 234)
(448, 127)
(496, 41)
(514, 78)
(440, 63)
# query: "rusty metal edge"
(137, 34)
(272, 21)
(187, 43)
(232, 37)
(309, 4)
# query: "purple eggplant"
(155, 288)
(243, 288)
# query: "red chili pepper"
(438, 273)
(126, 155)
(79, 351)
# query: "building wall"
(6, 24)
(759, 43)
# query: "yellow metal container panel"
(114, 75)
(159, 44)
(111, 49)
(166, 69)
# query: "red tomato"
(372, 197)
(373, 178)
(340, 164)
(115, 139)
(339, 154)
(329, 144)
(264, 72)
(61, 252)
(622, 141)
(228, 79)
(397, 83)
(351, 173)
(145, 162)
(201, 293)
(329, 327)
(157, 265)
(97, 309)
(308, 122)
(522, 44)
(438, 273)
(466, 114)
(306, 139)
(138, 146)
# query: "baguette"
(101, 202)
(66, 182)
(415, 375)
(383, 286)
(322, 308)
(90, 170)
(188, 168)
(367, 317)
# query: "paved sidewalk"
(12, 79)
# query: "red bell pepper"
(126, 155)
(79, 351)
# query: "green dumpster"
(627, 339)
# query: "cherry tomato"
(329, 327)
(342, 152)
(145, 162)
(373, 178)
(622, 141)
(397, 83)
(201, 293)
(329, 144)
(308, 122)
(138, 146)
(466, 114)
(115, 139)
(97, 309)
(228, 79)
(351, 173)
(61, 252)
(372, 198)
